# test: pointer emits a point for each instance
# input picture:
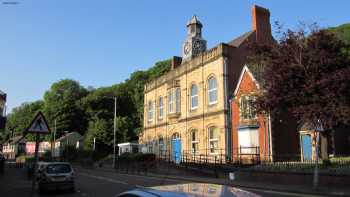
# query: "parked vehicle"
(189, 189)
(2, 163)
(56, 175)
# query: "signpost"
(37, 126)
(318, 129)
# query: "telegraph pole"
(115, 129)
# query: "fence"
(251, 158)
(246, 155)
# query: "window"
(247, 109)
(194, 96)
(248, 140)
(178, 99)
(194, 141)
(212, 90)
(171, 102)
(213, 140)
(174, 100)
(150, 111)
(161, 107)
(161, 146)
(149, 146)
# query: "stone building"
(186, 111)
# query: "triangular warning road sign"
(38, 125)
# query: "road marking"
(282, 193)
(104, 179)
(168, 179)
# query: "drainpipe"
(270, 138)
(226, 111)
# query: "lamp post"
(115, 129)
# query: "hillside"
(342, 31)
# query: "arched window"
(212, 90)
(175, 136)
(194, 141)
(194, 96)
(178, 99)
(213, 139)
(150, 111)
(161, 107)
(161, 146)
(171, 102)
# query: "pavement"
(108, 183)
(257, 187)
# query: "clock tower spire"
(194, 43)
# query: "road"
(97, 184)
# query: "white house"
(70, 139)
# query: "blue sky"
(99, 43)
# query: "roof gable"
(250, 74)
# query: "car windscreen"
(58, 168)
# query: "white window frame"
(214, 89)
(161, 107)
(177, 100)
(193, 97)
(213, 140)
(161, 145)
(195, 141)
(171, 102)
(150, 111)
(250, 112)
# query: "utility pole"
(94, 147)
(115, 129)
(54, 142)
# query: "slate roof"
(306, 126)
(239, 40)
(194, 20)
(17, 139)
(67, 135)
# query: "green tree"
(100, 130)
(20, 118)
(63, 103)
(342, 32)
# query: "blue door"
(307, 147)
(176, 146)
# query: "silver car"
(189, 189)
(56, 175)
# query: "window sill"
(212, 104)
(174, 115)
(193, 109)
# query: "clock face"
(187, 48)
(197, 45)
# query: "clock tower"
(194, 43)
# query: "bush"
(137, 157)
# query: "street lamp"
(115, 129)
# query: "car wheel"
(41, 190)
(72, 189)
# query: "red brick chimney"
(261, 24)
(175, 62)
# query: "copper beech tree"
(306, 74)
